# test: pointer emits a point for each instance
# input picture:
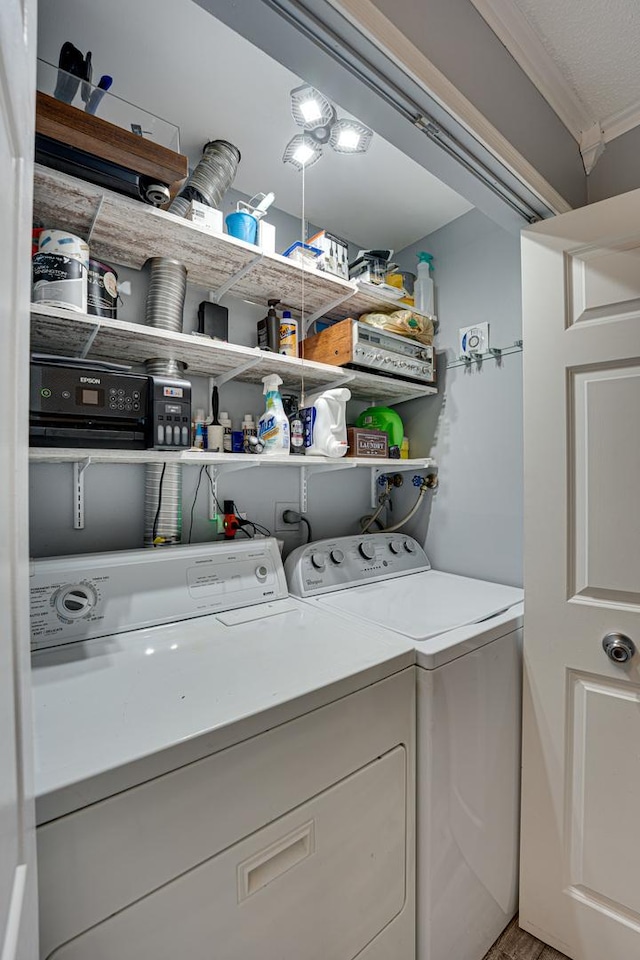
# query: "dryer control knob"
(337, 556)
(395, 546)
(367, 550)
(75, 602)
(409, 546)
(318, 560)
(261, 573)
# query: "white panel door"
(580, 869)
(18, 919)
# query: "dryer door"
(321, 883)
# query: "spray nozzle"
(424, 257)
(271, 383)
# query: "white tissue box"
(206, 217)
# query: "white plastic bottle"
(249, 430)
(329, 429)
(273, 425)
(225, 422)
(423, 292)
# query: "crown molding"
(367, 18)
(525, 46)
(621, 122)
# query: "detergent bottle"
(326, 424)
(273, 425)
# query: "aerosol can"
(325, 424)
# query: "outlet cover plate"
(279, 526)
(473, 339)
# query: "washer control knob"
(261, 573)
(75, 602)
(318, 560)
(395, 546)
(409, 546)
(367, 550)
(337, 556)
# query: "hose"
(383, 500)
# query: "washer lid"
(424, 605)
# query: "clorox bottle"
(273, 425)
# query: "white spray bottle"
(329, 426)
(273, 425)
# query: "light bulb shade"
(310, 108)
(350, 136)
(302, 151)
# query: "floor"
(516, 944)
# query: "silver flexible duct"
(211, 178)
(165, 294)
(163, 482)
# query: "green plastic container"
(384, 418)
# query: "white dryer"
(220, 769)
(468, 639)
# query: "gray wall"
(617, 170)
(453, 35)
(114, 494)
(473, 428)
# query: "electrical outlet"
(279, 526)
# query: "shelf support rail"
(95, 218)
(79, 468)
(327, 307)
(215, 471)
(231, 374)
(307, 471)
(89, 341)
(334, 384)
(216, 295)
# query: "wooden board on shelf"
(65, 333)
(67, 124)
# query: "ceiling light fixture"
(350, 136)
(317, 115)
(302, 151)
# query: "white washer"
(220, 769)
(468, 639)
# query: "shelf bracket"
(214, 472)
(95, 218)
(216, 295)
(334, 384)
(231, 374)
(78, 492)
(89, 342)
(307, 471)
(327, 307)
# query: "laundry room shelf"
(127, 231)
(66, 333)
(190, 458)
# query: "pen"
(94, 100)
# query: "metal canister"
(102, 290)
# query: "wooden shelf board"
(198, 458)
(65, 333)
(129, 232)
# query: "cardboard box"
(367, 443)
